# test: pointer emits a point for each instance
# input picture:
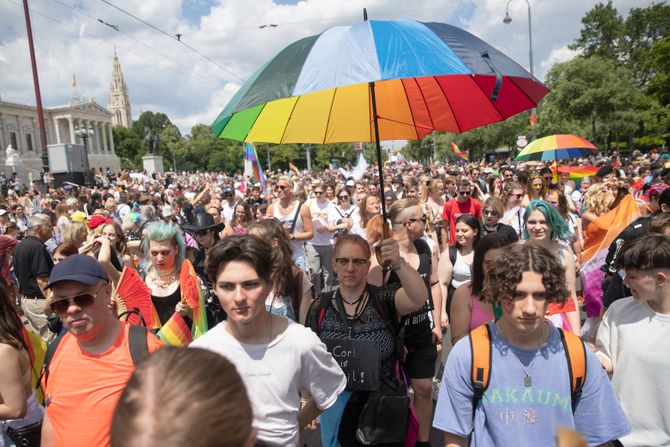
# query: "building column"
(3, 138)
(36, 137)
(56, 130)
(103, 135)
(111, 138)
(71, 124)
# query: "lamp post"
(84, 133)
(507, 20)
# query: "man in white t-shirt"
(277, 359)
(633, 341)
(320, 248)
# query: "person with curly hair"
(529, 391)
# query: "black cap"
(79, 268)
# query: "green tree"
(128, 147)
(601, 34)
(659, 85)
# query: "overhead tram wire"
(173, 36)
(189, 70)
(78, 30)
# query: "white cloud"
(164, 76)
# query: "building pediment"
(90, 107)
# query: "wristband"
(400, 266)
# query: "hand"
(436, 334)
(445, 320)
(184, 310)
(390, 253)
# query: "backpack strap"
(137, 343)
(453, 254)
(48, 357)
(295, 217)
(575, 353)
(480, 346)
(324, 301)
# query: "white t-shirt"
(320, 212)
(637, 342)
(275, 373)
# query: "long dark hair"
(472, 222)
(488, 242)
(10, 324)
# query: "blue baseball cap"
(79, 268)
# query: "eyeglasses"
(464, 193)
(422, 219)
(318, 192)
(547, 177)
(518, 196)
(343, 197)
(509, 175)
(490, 213)
(282, 187)
(83, 300)
(357, 262)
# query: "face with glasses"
(464, 193)
(414, 221)
(491, 217)
(83, 309)
(319, 193)
(343, 199)
(282, 189)
(351, 263)
(514, 199)
(508, 176)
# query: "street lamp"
(507, 20)
(84, 133)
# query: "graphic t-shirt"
(453, 209)
(511, 414)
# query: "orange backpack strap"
(575, 353)
(480, 346)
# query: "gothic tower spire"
(119, 102)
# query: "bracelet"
(400, 266)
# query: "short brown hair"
(183, 396)
(504, 276)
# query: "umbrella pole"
(379, 149)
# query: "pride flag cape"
(294, 168)
(252, 164)
(175, 331)
(462, 154)
(599, 235)
(37, 349)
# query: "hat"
(603, 171)
(350, 183)
(656, 189)
(79, 268)
(96, 220)
(78, 216)
(397, 179)
(203, 221)
(3, 211)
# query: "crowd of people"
(299, 302)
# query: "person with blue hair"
(544, 226)
(176, 290)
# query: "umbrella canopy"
(557, 147)
(426, 77)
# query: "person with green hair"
(543, 226)
(176, 290)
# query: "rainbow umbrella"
(378, 80)
(557, 147)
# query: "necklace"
(359, 303)
(527, 379)
(163, 280)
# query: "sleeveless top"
(298, 247)
(165, 305)
(34, 413)
(369, 326)
(461, 272)
(425, 264)
(479, 315)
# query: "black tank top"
(425, 267)
(165, 305)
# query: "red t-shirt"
(83, 389)
(453, 209)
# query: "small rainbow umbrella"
(557, 147)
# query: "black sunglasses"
(490, 213)
(343, 197)
(83, 300)
(464, 193)
(318, 192)
(282, 187)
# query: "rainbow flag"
(577, 173)
(252, 167)
(175, 332)
(37, 349)
(462, 154)
(294, 168)
(191, 293)
(599, 235)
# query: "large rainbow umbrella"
(557, 147)
(378, 80)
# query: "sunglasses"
(343, 197)
(318, 192)
(464, 193)
(490, 213)
(83, 300)
(357, 262)
(423, 220)
(282, 187)
(509, 175)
